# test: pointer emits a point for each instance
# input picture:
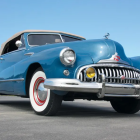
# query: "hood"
(117, 52)
(101, 50)
(135, 62)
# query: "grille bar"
(120, 78)
(113, 74)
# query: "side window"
(69, 39)
(11, 46)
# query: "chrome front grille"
(113, 73)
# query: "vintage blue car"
(51, 66)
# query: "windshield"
(42, 39)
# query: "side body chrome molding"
(30, 53)
(11, 80)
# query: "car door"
(7, 62)
(7, 69)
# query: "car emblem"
(117, 58)
(122, 77)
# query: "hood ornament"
(107, 36)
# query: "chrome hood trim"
(114, 59)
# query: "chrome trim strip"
(11, 80)
(30, 53)
(81, 76)
(1, 58)
(102, 71)
(115, 95)
(110, 74)
(99, 71)
(129, 76)
(113, 61)
(61, 38)
(126, 75)
(121, 74)
(98, 74)
(84, 78)
(117, 74)
(114, 75)
(106, 73)
(124, 79)
(13, 51)
(135, 76)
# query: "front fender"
(50, 62)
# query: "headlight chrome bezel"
(62, 57)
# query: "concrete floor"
(78, 120)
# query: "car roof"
(39, 31)
(35, 31)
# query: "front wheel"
(43, 101)
(129, 105)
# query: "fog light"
(66, 72)
(90, 72)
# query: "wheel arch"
(31, 69)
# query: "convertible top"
(34, 31)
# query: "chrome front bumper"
(101, 89)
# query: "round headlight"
(90, 72)
(67, 56)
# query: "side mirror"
(18, 43)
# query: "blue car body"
(14, 65)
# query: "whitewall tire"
(43, 101)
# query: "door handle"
(30, 53)
(1, 58)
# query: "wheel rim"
(39, 92)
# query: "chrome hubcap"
(42, 92)
(39, 92)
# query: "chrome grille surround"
(112, 73)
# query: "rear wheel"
(43, 101)
(129, 105)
